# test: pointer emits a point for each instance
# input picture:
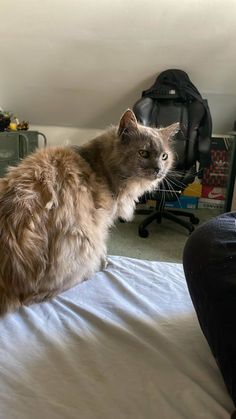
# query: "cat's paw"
(104, 263)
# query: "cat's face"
(146, 151)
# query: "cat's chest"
(127, 198)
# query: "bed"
(124, 344)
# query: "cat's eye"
(164, 156)
(144, 153)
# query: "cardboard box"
(184, 202)
(217, 173)
(193, 189)
(221, 142)
(211, 203)
(151, 203)
(213, 192)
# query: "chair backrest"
(173, 98)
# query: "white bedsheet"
(124, 344)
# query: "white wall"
(81, 63)
(223, 111)
(66, 135)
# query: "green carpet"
(164, 243)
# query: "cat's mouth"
(159, 175)
(154, 174)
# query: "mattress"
(124, 344)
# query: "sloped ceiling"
(82, 62)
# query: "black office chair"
(173, 98)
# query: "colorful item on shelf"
(23, 125)
(193, 189)
(213, 192)
(8, 122)
(5, 119)
(216, 174)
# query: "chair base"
(172, 215)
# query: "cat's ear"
(128, 124)
(169, 132)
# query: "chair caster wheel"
(143, 233)
(195, 220)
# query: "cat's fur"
(56, 208)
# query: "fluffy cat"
(56, 207)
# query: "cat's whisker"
(171, 189)
(176, 181)
(181, 172)
(174, 193)
(162, 201)
(182, 185)
(168, 190)
(178, 184)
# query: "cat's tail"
(7, 303)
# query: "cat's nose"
(157, 170)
